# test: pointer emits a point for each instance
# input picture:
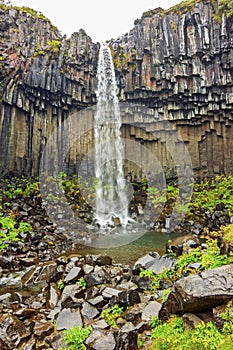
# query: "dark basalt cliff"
(180, 66)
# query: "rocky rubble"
(52, 298)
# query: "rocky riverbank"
(45, 291)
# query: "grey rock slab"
(67, 319)
(74, 274)
(102, 341)
(88, 311)
(151, 310)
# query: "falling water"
(111, 199)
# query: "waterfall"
(111, 198)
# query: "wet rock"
(197, 293)
(67, 319)
(103, 260)
(40, 273)
(12, 331)
(43, 329)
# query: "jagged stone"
(155, 263)
(74, 274)
(96, 277)
(100, 340)
(40, 273)
(53, 295)
(43, 329)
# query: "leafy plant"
(75, 337)
(173, 335)
(61, 283)
(82, 282)
(209, 258)
(10, 229)
(54, 45)
(112, 314)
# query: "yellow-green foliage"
(38, 51)
(228, 233)
(54, 45)
(6, 5)
(120, 58)
(173, 335)
(208, 258)
(219, 7)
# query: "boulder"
(200, 292)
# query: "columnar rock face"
(179, 66)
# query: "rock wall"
(180, 66)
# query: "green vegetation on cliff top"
(6, 5)
(219, 6)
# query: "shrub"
(112, 314)
(75, 337)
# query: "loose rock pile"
(51, 298)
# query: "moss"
(219, 7)
(150, 13)
(36, 14)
